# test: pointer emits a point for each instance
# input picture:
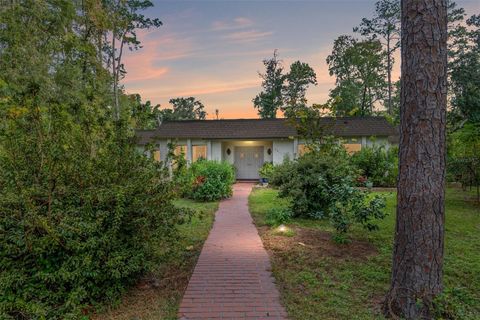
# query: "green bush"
(377, 166)
(281, 173)
(320, 185)
(212, 180)
(266, 171)
(77, 229)
(277, 216)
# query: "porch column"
(364, 142)
(169, 160)
(295, 148)
(189, 151)
(209, 150)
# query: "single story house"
(248, 143)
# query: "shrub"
(281, 173)
(277, 216)
(267, 170)
(81, 228)
(321, 186)
(377, 165)
(212, 180)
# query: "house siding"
(282, 149)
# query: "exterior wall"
(216, 151)
(283, 149)
(363, 140)
(232, 144)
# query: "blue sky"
(213, 50)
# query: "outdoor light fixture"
(269, 151)
(229, 151)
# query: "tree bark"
(419, 235)
(389, 75)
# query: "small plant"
(266, 171)
(278, 216)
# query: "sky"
(213, 50)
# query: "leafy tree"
(145, 115)
(184, 109)
(82, 214)
(360, 70)
(298, 79)
(270, 100)
(417, 269)
(123, 19)
(464, 73)
(385, 26)
(464, 156)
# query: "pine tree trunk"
(419, 236)
(389, 76)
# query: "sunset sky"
(213, 50)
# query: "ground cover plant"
(317, 276)
(158, 294)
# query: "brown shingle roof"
(262, 128)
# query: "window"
(156, 155)
(302, 149)
(352, 147)
(199, 152)
(181, 150)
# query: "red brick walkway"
(232, 279)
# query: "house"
(248, 143)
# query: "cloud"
(247, 36)
(196, 87)
(237, 23)
(144, 64)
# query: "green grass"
(317, 283)
(162, 300)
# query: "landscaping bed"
(321, 279)
(158, 295)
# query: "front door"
(248, 160)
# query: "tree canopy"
(359, 68)
(270, 100)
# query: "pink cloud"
(145, 63)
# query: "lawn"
(319, 279)
(159, 294)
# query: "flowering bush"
(212, 180)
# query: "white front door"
(248, 160)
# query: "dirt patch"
(318, 243)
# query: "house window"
(352, 147)
(302, 149)
(156, 155)
(199, 152)
(180, 150)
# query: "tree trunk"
(389, 75)
(419, 235)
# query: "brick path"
(232, 279)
